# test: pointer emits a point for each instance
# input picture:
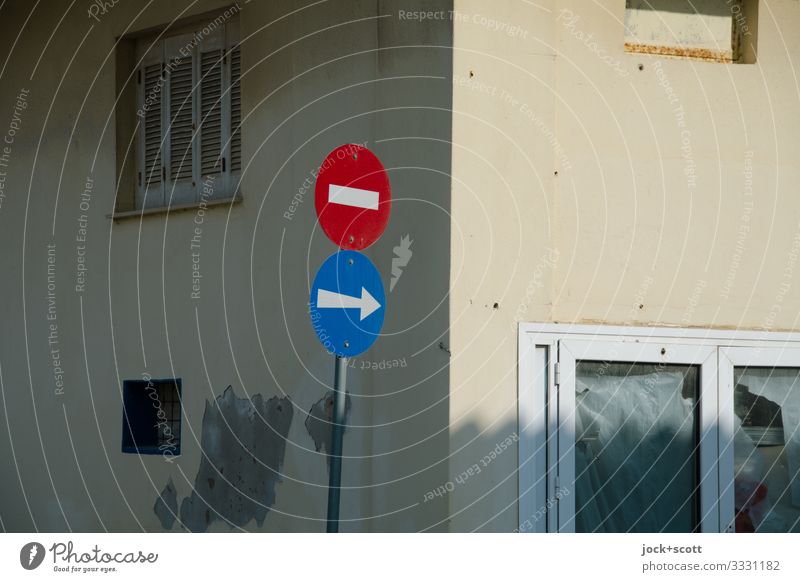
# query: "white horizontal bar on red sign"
(357, 197)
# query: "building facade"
(593, 204)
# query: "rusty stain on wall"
(718, 56)
(318, 422)
(243, 445)
(166, 507)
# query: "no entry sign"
(353, 197)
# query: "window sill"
(175, 208)
(175, 451)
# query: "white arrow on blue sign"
(347, 303)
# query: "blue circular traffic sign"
(347, 303)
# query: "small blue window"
(151, 416)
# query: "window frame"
(161, 47)
(730, 358)
(743, 16)
(571, 351)
(541, 372)
(135, 398)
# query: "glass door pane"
(636, 447)
(766, 444)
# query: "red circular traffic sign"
(353, 197)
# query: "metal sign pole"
(337, 431)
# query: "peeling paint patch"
(243, 444)
(166, 507)
(318, 422)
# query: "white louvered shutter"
(150, 138)
(181, 68)
(212, 164)
(235, 100)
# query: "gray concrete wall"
(313, 78)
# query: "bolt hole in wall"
(658, 430)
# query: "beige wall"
(313, 79)
(588, 185)
(614, 222)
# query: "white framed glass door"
(658, 429)
(637, 436)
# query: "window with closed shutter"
(189, 136)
